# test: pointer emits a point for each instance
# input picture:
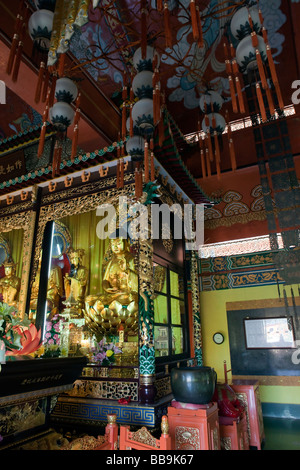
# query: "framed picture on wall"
(269, 333)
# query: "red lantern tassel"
(118, 174)
(240, 95)
(254, 39)
(39, 83)
(12, 53)
(42, 140)
(209, 146)
(270, 101)
(152, 168)
(124, 122)
(146, 162)
(271, 64)
(203, 163)
(168, 33)
(194, 20)
(200, 39)
(159, 5)
(208, 163)
(130, 122)
(17, 62)
(232, 155)
(261, 102)
(154, 106)
(122, 174)
(74, 143)
(217, 147)
(233, 95)
(261, 70)
(279, 96)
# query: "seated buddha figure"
(119, 299)
(75, 281)
(10, 284)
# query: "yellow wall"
(214, 318)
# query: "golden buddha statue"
(54, 291)
(75, 281)
(10, 284)
(118, 304)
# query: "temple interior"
(149, 225)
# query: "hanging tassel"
(254, 39)
(217, 148)
(232, 155)
(123, 122)
(261, 102)
(240, 95)
(168, 33)
(130, 122)
(293, 301)
(278, 288)
(203, 163)
(39, 82)
(42, 140)
(261, 70)
(118, 174)
(279, 96)
(270, 101)
(159, 5)
(208, 163)
(209, 146)
(61, 65)
(233, 95)
(122, 174)
(146, 162)
(194, 20)
(74, 143)
(152, 168)
(45, 86)
(17, 62)
(200, 39)
(271, 64)
(12, 53)
(286, 301)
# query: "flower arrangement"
(11, 327)
(104, 353)
(52, 338)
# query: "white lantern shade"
(142, 115)
(66, 90)
(246, 53)
(135, 147)
(61, 115)
(144, 64)
(40, 27)
(212, 100)
(142, 84)
(240, 26)
(219, 126)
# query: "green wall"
(214, 318)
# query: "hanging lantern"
(240, 23)
(141, 64)
(40, 28)
(142, 116)
(142, 84)
(65, 90)
(61, 115)
(135, 147)
(215, 123)
(246, 53)
(211, 102)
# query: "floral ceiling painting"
(106, 44)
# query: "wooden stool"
(233, 433)
(194, 427)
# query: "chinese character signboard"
(12, 166)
